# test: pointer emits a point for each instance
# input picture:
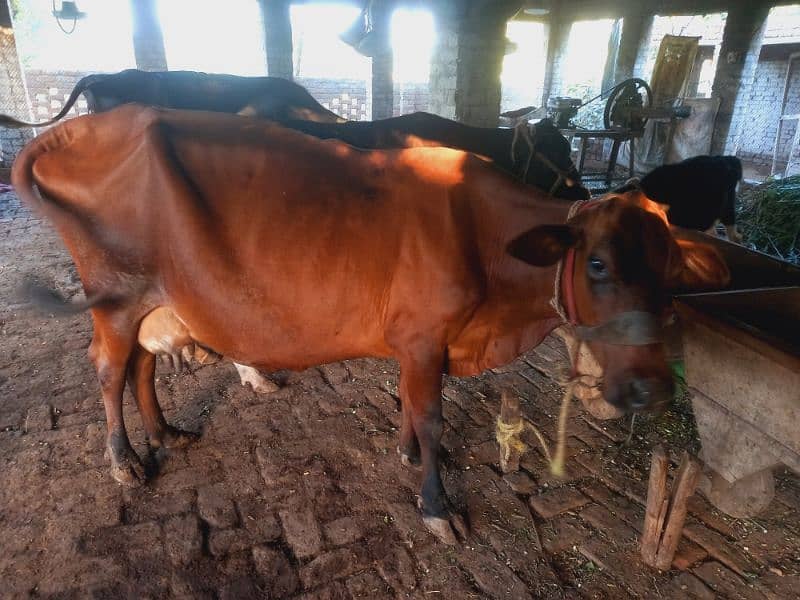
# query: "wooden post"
(657, 504)
(664, 518)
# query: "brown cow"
(428, 255)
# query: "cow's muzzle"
(632, 328)
(643, 394)
(636, 393)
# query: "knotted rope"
(508, 434)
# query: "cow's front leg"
(421, 391)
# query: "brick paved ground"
(300, 493)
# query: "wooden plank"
(657, 504)
(683, 488)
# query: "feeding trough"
(741, 348)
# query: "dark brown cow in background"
(283, 251)
(538, 155)
(267, 97)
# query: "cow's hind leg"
(110, 350)
(421, 390)
(141, 379)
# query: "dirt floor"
(300, 493)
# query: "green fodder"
(769, 218)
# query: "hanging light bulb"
(68, 10)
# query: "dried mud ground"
(300, 493)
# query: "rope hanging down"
(508, 434)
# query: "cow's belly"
(272, 338)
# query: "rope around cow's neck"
(508, 434)
(528, 135)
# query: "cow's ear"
(703, 268)
(544, 245)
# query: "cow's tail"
(80, 87)
(59, 213)
(22, 170)
(50, 301)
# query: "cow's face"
(550, 143)
(626, 265)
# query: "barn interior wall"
(13, 97)
(764, 107)
(465, 71)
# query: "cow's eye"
(597, 269)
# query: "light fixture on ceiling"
(537, 12)
(69, 10)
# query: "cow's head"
(560, 177)
(626, 265)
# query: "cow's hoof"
(451, 531)
(259, 383)
(408, 459)
(174, 438)
(129, 473)
(265, 386)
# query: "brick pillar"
(148, 41)
(13, 91)
(643, 52)
(382, 84)
(481, 48)
(736, 69)
(557, 39)
(633, 42)
(444, 72)
(468, 58)
(277, 37)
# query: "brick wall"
(346, 97)
(12, 98)
(48, 91)
(761, 124)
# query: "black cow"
(538, 155)
(700, 191)
(269, 97)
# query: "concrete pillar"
(277, 37)
(148, 41)
(736, 69)
(382, 84)
(558, 31)
(634, 40)
(13, 91)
